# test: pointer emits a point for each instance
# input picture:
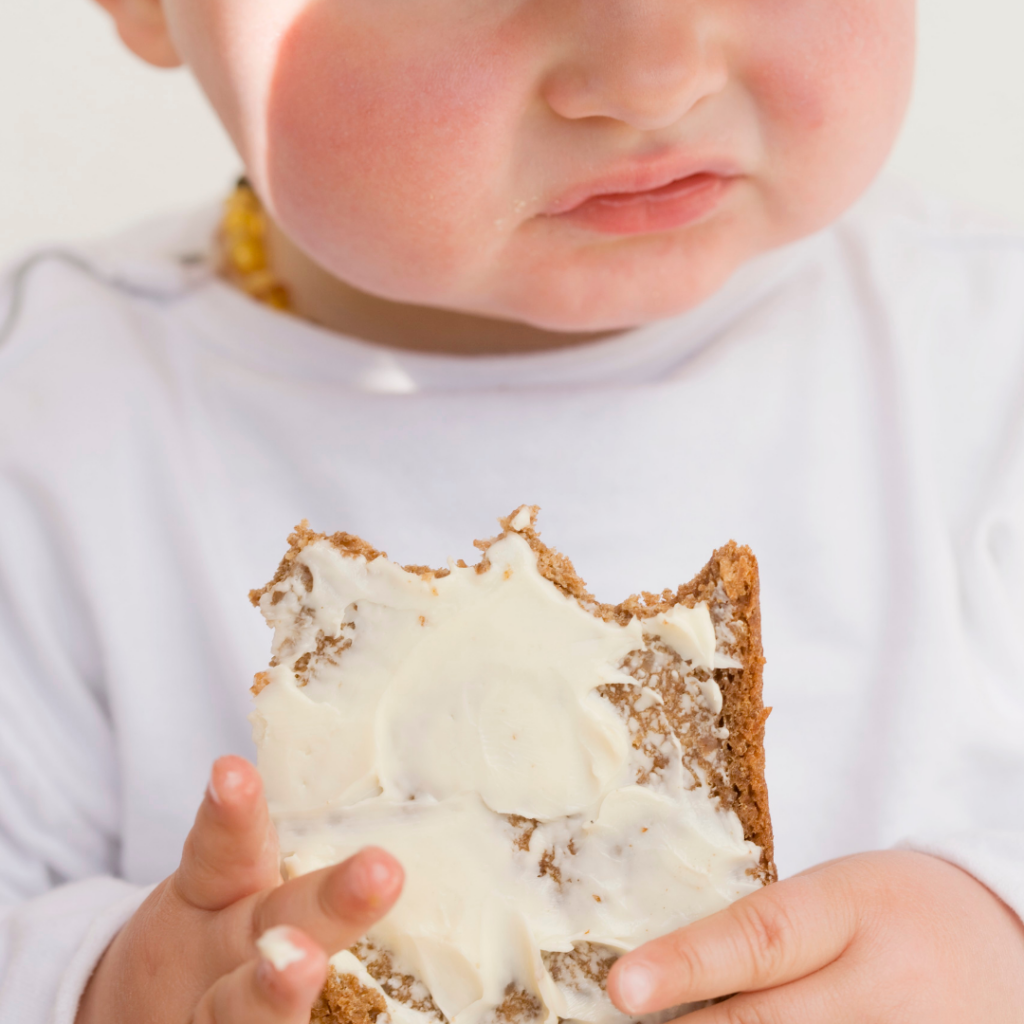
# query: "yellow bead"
(239, 221)
(248, 256)
(259, 282)
(278, 298)
(242, 232)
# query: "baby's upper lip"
(642, 176)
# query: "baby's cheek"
(816, 54)
(381, 153)
(831, 84)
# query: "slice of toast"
(563, 779)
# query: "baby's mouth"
(682, 201)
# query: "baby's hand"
(880, 938)
(189, 954)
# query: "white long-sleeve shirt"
(852, 408)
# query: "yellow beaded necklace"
(242, 241)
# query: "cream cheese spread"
(457, 720)
(275, 946)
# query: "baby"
(601, 254)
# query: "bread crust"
(734, 567)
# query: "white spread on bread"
(456, 721)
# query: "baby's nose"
(642, 62)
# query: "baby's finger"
(277, 988)
(231, 851)
(336, 905)
(823, 998)
(769, 938)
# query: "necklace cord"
(241, 260)
(16, 280)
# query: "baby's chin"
(567, 308)
(606, 313)
(605, 287)
(575, 303)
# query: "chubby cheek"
(385, 158)
(831, 82)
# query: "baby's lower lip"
(674, 205)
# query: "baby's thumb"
(231, 851)
(279, 988)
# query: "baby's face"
(575, 164)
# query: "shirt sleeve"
(50, 945)
(995, 858)
(60, 902)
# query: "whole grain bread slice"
(723, 746)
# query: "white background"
(91, 139)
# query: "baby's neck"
(318, 296)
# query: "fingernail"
(275, 947)
(636, 986)
(367, 880)
(228, 783)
